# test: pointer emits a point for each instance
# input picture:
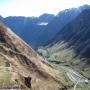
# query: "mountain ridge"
(35, 31)
(29, 69)
(71, 46)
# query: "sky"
(36, 7)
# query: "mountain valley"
(44, 49)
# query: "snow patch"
(42, 23)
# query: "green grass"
(65, 56)
(58, 52)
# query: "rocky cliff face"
(27, 68)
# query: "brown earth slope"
(27, 68)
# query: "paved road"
(76, 78)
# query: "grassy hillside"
(64, 58)
(60, 54)
(20, 65)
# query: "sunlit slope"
(26, 68)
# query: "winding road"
(76, 78)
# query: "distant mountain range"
(70, 46)
(71, 26)
(62, 39)
(77, 34)
(38, 31)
